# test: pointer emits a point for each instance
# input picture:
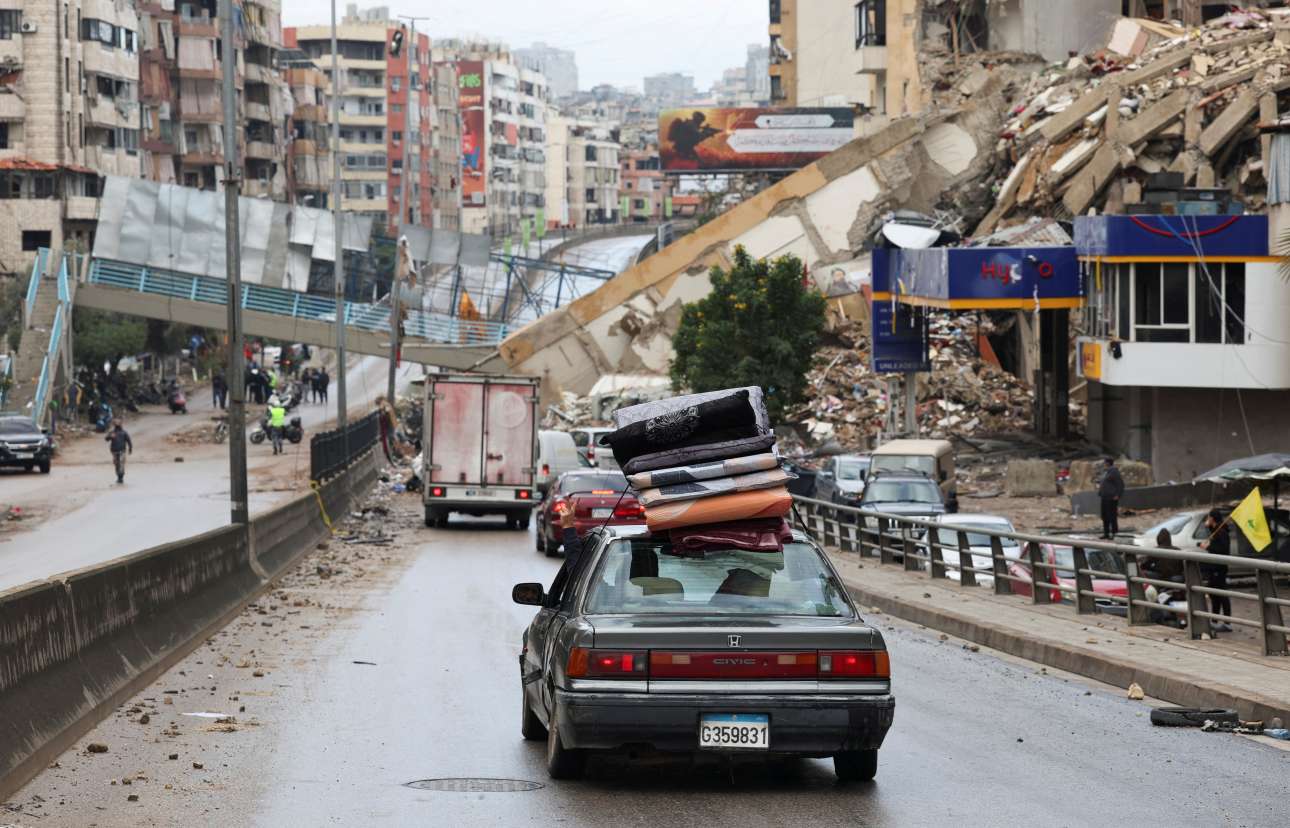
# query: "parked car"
(905, 494)
(978, 544)
(934, 458)
(1064, 557)
(842, 479)
(557, 454)
(586, 439)
(25, 444)
(596, 498)
(725, 650)
(1187, 529)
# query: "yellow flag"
(1249, 516)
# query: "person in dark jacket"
(118, 440)
(572, 555)
(1215, 575)
(219, 389)
(1109, 490)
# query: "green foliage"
(105, 337)
(13, 293)
(759, 326)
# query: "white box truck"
(480, 447)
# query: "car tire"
(1191, 716)
(530, 725)
(561, 762)
(856, 765)
(552, 548)
(540, 543)
(44, 467)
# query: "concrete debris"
(1135, 692)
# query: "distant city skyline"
(618, 46)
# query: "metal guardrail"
(48, 367)
(331, 452)
(922, 544)
(436, 327)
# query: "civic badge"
(734, 640)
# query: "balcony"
(201, 158)
(871, 59)
(304, 146)
(256, 111)
(82, 208)
(257, 188)
(310, 112)
(258, 73)
(261, 149)
(12, 107)
(108, 113)
(193, 73)
(198, 27)
(347, 119)
(197, 117)
(11, 49)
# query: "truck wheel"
(431, 518)
(522, 521)
(856, 765)
(441, 522)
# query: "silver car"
(642, 645)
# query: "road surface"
(409, 673)
(87, 519)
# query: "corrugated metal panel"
(325, 239)
(275, 256)
(298, 262)
(475, 250)
(305, 226)
(136, 221)
(172, 205)
(445, 247)
(257, 218)
(107, 236)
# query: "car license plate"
(601, 513)
(734, 731)
(24, 454)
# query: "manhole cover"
(468, 785)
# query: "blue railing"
(48, 367)
(6, 381)
(435, 327)
(64, 289)
(33, 285)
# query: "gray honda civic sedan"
(642, 646)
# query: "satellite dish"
(909, 236)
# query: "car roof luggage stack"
(706, 468)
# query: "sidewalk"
(1162, 660)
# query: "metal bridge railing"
(331, 452)
(941, 547)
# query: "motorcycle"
(294, 432)
(102, 417)
(177, 401)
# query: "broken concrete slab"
(1227, 124)
(1155, 119)
(1089, 181)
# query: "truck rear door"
(509, 432)
(457, 433)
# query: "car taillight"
(560, 506)
(584, 663)
(629, 511)
(855, 664)
(523, 494)
(546, 470)
(437, 491)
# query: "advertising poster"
(700, 139)
(470, 82)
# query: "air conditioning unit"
(28, 28)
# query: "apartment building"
(446, 139)
(647, 191)
(69, 112)
(583, 172)
(559, 66)
(309, 162)
(387, 119)
(503, 110)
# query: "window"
(776, 88)
(1234, 299)
(396, 137)
(776, 14)
(33, 240)
(1173, 302)
(4, 135)
(871, 23)
(10, 24)
(396, 83)
(591, 154)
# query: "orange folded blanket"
(766, 503)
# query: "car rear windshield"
(902, 491)
(645, 576)
(1101, 560)
(578, 483)
(974, 539)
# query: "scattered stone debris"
(1135, 692)
(96, 747)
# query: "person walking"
(219, 388)
(1215, 575)
(1110, 489)
(307, 380)
(324, 380)
(119, 443)
(277, 423)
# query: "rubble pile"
(1158, 99)
(572, 412)
(966, 394)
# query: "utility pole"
(338, 268)
(239, 512)
(405, 185)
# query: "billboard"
(700, 139)
(470, 97)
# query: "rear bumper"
(476, 500)
(804, 725)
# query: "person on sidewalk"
(1215, 575)
(323, 380)
(277, 423)
(219, 389)
(119, 443)
(1110, 489)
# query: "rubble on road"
(194, 435)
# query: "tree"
(759, 326)
(105, 337)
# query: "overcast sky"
(617, 41)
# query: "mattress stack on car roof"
(703, 459)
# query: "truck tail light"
(855, 664)
(523, 494)
(584, 663)
(437, 491)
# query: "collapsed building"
(1157, 119)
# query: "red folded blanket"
(760, 535)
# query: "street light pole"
(406, 179)
(338, 267)
(239, 511)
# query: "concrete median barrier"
(74, 647)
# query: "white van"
(557, 454)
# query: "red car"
(597, 498)
(1064, 557)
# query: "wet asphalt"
(978, 739)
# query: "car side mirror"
(827, 475)
(528, 594)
